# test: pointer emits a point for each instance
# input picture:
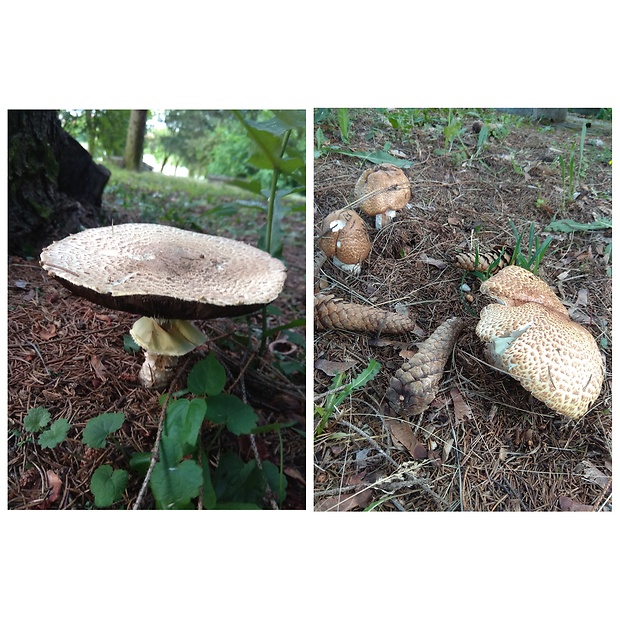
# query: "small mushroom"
(382, 191)
(530, 336)
(168, 275)
(344, 239)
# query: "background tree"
(104, 131)
(55, 187)
(134, 146)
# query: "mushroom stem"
(163, 341)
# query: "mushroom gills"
(163, 341)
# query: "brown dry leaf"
(55, 483)
(569, 505)
(462, 410)
(435, 262)
(402, 434)
(332, 368)
(453, 221)
(582, 297)
(48, 332)
(592, 474)
(344, 503)
(98, 367)
(291, 472)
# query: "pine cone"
(413, 387)
(467, 260)
(333, 313)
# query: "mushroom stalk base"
(157, 370)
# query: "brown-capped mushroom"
(530, 336)
(344, 239)
(382, 191)
(168, 275)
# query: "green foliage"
(529, 256)
(36, 419)
(568, 226)
(108, 485)
(56, 434)
(339, 391)
(97, 429)
(104, 131)
(207, 377)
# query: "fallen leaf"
(569, 505)
(582, 297)
(332, 368)
(48, 332)
(344, 503)
(453, 221)
(293, 473)
(592, 474)
(402, 434)
(462, 410)
(55, 483)
(97, 366)
(435, 262)
(447, 448)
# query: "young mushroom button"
(168, 275)
(382, 191)
(344, 239)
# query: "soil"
(67, 354)
(484, 444)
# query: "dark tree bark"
(134, 146)
(55, 187)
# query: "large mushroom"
(530, 336)
(344, 239)
(168, 275)
(382, 191)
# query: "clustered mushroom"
(530, 336)
(381, 192)
(344, 239)
(168, 275)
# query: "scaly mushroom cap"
(165, 272)
(514, 286)
(344, 239)
(553, 357)
(387, 189)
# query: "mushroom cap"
(165, 272)
(344, 236)
(514, 286)
(554, 358)
(387, 188)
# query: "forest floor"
(484, 444)
(68, 355)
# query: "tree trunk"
(54, 186)
(135, 140)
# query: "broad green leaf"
(97, 429)
(207, 377)
(183, 421)
(277, 481)
(376, 157)
(56, 433)
(36, 419)
(572, 225)
(240, 419)
(236, 481)
(174, 487)
(209, 499)
(108, 485)
(140, 462)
